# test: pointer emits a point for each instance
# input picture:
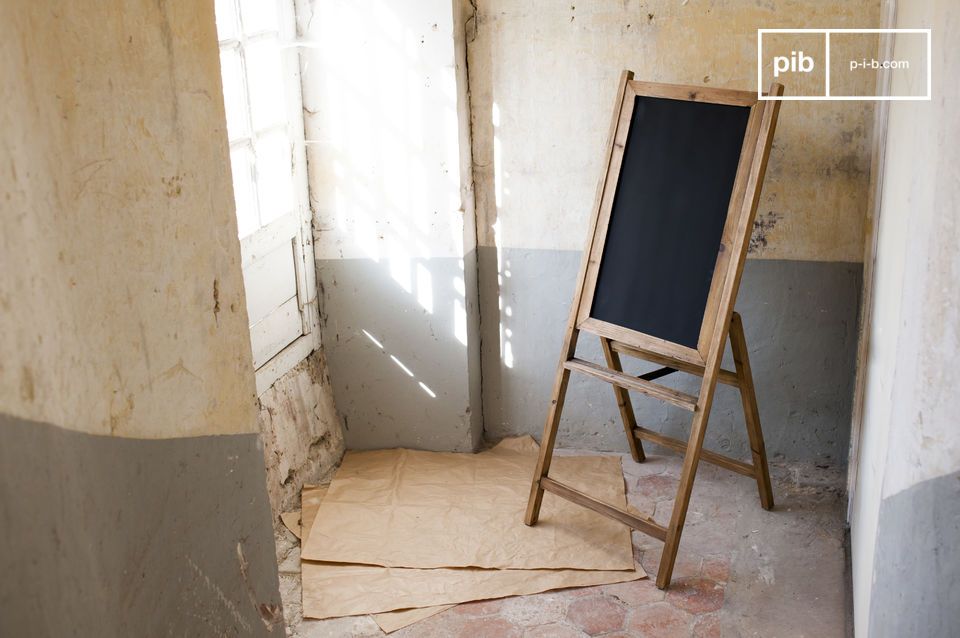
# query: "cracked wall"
(301, 431)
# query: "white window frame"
(296, 227)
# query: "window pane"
(274, 176)
(265, 82)
(259, 16)
(234, 100)
(241, 162)
(226, 12)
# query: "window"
(261, 89)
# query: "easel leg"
(691, 459)
(751, 413)
(549, 438)
(623, 403)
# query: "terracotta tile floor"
(741, 571)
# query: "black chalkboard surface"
(679, 164)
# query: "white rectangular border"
(846, 98)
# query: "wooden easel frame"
(719, 322)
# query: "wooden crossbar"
(655, 390)
(641, 523)
(725, 377)
(711, 457)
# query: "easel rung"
(655, 390)
(710, 457)
(641, 523)
(726, 377)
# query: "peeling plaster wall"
(905, 518)
(132, 495)
(389, 172)
(302, 432)
(542, 80)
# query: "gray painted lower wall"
(106, 536)
(916, 575)
(800, 320)
(396, 335)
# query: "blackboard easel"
(670, 228)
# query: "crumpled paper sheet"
(292, 522)
(393, 620)
(310, 498)
(407, 508)
(331, 590)
(389, 621)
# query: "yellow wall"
(120, 288)
(543, 76)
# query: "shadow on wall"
(389, 238)
(398, 365)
